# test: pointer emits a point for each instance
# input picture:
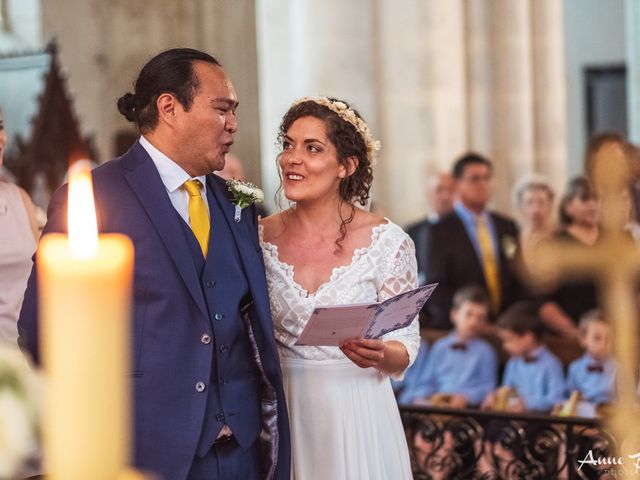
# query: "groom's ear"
(168, 106)
(352, 164)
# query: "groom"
(208, 395)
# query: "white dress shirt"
(173, 176)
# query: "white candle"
(85, 284)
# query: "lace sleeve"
(401, 274)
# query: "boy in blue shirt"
(404, 389)
(532, 371)
(462, 366)
(593, 374)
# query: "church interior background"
(524, 83)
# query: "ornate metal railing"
(450, 443)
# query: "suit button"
(223, 348)
(218, 316)
(200, 387)
(220, 417)
(210, 283)
(205, 338)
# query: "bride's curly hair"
(349, 143)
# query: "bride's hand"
(365, 353)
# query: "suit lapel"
(246, 239)
(145, 181)
(241, 230)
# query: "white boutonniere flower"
(509, 246)
(244, 195)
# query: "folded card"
(334, 324)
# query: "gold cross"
(614, 263)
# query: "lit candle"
(85, 284)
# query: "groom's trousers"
(227, 461)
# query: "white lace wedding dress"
(344, 419)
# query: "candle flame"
(83, 227)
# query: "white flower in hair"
(348, 115)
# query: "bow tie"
(459, 346)
(595, 368)
(529, 359)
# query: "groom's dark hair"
(168, 72)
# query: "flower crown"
(348, 115)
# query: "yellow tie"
(489, 264)
(198, 214)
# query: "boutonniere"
(509, 246)
(245, 194)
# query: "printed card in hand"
(333, 325)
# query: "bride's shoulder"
(272, 226)
(381, 226)
(368, 220)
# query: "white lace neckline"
(289, 269)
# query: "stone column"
(434, 79)
(310, 48)
(422, 99)
(512, 95)
(549, 92)
(276, 72)
(479, 86)
(227, 30)
(516, 90)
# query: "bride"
(324, 250)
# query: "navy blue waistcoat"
(232, 393)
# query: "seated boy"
(404, 389)
(533, 373)
(461, 368)
(593, 374)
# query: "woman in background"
(18, 236)
(579, 220)
(534, 197)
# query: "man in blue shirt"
(472, 246)
(461, 365)
(593, 374)
(532, 371)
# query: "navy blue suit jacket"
(452, 262)
(169, 310)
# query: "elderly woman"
(533, 197)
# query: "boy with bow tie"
(532, 371)
(593, 374)
(461, 368)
